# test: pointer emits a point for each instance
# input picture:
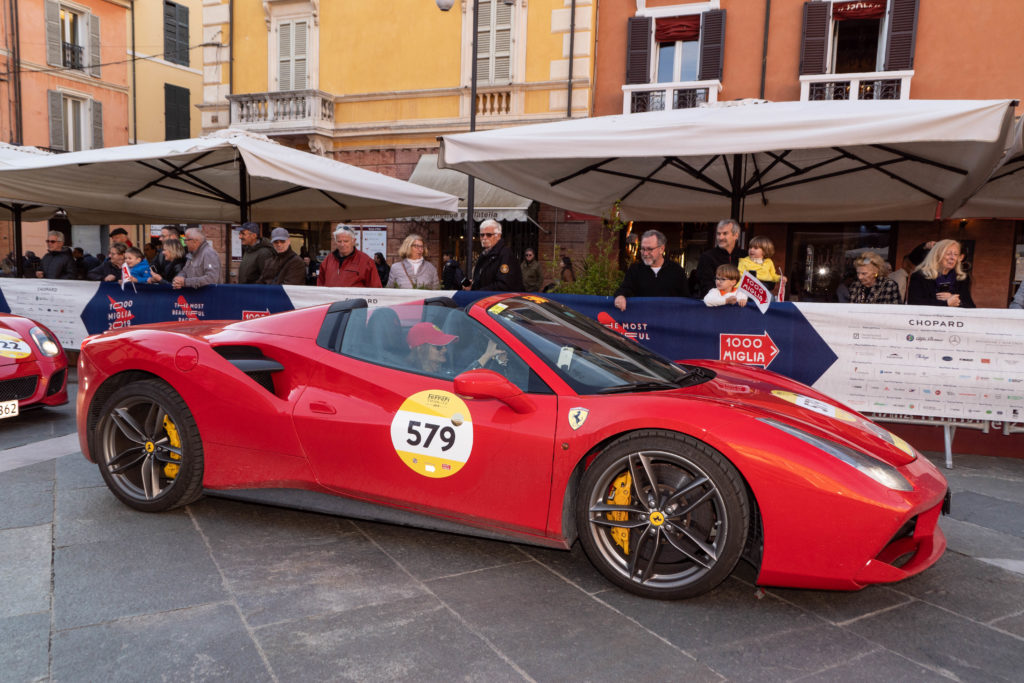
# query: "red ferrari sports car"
(514, 418)
(33, 366)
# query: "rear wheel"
(148, 447)
(662, 515)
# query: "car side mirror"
(489, 384)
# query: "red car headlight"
(47, 345)
(883, 473)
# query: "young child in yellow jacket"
(759, 261)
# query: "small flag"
(758, 292)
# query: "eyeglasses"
(725, 279)
(488, 234)
(417, 246)
(648, 249)
(52, 241)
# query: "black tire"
(148, 448)
(683, 527)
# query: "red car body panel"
(51, 371)
(326, 429)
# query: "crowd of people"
(933, 274)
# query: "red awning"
(671, 29)
(858, 9)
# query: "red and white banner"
(758, 292)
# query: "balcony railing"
(288, 110)
(879, 85)
(494, 102)
(74, 56)
(659, 96)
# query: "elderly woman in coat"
(413, 271)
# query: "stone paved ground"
(230, 591)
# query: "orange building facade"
(656, 53)
(66, 88)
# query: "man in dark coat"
(57, 262)
(652, 275)
(256, 253)
(287, 267)
(451, 273)
(726, 250)
(109, 270)
(497, 269)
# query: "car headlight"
(884, 474)
(45, 341)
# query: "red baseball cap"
(428, 333)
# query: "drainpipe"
(764, 45)
(572, 44)
(231, 54)
(14, 64)
(135, 92)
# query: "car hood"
(768, 395)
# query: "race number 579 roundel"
(433, 433)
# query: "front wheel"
(148, 447)
(662, 515)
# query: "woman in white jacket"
(413, 271)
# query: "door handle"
(322, 407)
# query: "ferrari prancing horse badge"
(577, 416)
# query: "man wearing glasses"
(652, 275)
(57, 263)
(497, 269)
(202, 264)
(726, 250)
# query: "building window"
(76, 123)
(292, 55)
(177, 119)
(858, 36)
(73, 50)
(494, 42)
(176, 33)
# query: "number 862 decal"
(433, 433)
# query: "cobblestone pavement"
(224, 590)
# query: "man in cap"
(285, 267)
(346, 266)
(256, 253)
(120, 236)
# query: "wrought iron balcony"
(878, 85)
(74, 56)
(659, 96)
(286, 111)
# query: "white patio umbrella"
(755, 161)
(17, 211)
(230, 176)
(1002, 194)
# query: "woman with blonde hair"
(413, 271)
(873, 285)
(169, 262)
(941, 280)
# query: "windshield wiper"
(638, 386)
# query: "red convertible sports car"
(33, 366)
(514, 418)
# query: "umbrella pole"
(737, 180)
(243, 192)
(16, 222)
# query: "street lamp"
(444, 6)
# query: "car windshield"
(591, 358)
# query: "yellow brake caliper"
(170, 469)
(620, 495)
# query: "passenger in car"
(428, 349)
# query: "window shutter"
(170, 31)
(54, 44)
(94, 45)
(712, 45)
(813, 52)
(284, 56)
(55, 103)
(97, 123)
(299, 47)
(177, 121)
(502, 58)
(181, 19)
(638, 50)
(899, 47)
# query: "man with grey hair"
(346, 266)
(653, 274)
(726, 250)
(497, 269)
(57, 263)
(202, 263)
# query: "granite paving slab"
(25, 570)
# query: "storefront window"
(821, 259)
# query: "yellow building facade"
(167, 85)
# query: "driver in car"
(429, 348)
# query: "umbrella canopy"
(1002, 195)
(753, 160)
(225, 177)
(15, 210)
